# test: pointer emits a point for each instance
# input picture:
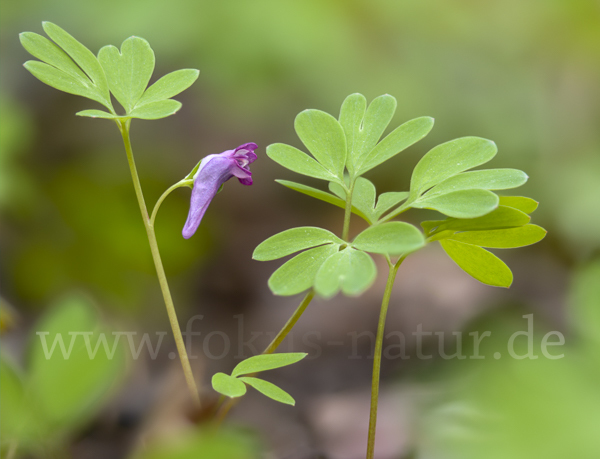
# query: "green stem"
(377, 357)
(160, 271)
(224, 407)
(348, 210)
(163, 196)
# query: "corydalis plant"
(67, 65)
(342, 151)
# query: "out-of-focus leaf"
(460, 204)
(488, 179)
(388, 200)
(264, 362)
(210, 444)
(322, 134)
(169, 86)
(585, 305)
(228, 385)
(479, 263)
(270, 390)
(526, 205)
(128, 72)
(298, 274)
(69, 342)
(502, 217)
(502, 238)
(156, 110)
(399, 139)
(298, 161)
(82, 57)
(293, 240)
(350, 270)
(393, 238)
(449, 159)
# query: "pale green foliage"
(235, 385)
(72, 68)
(59, 392)
(442, 180)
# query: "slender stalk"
(377, 357)
(348, 210)
(225, 406)
(160, 271)
(163, 196)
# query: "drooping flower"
(214, 171)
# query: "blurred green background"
(524, 73)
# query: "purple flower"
(214, 171)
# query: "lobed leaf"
(169, 86)
(507, 238)
(98, 114)
(228, 385)
(393, 238)
(128, 72)
(399, 139)
(295, 160)
(502, 217)
(363, 197)
(478, 263)
(351, 117)
(82, 57)
(62, 81)
(526, 205)
(270, 390)
(298, 274)
(350, 270)
(264, 362)
(460, 204)
(293, 240)
(323, 136)
(449, 159)
(156, 110)
(388, 200)
(46, 51)
(489, 179)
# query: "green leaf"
(460, 204)
(526, 205)
(399, 139)
(298, 274)
(156, 110)
(365, 133)
(46, 51)
(502, 217)
(298, 161)
(322, 134)
(350, 270)
(82, 57)
(68, 342)
(388, 200)
(61, 80)
(321, 195)
(393, 238)
(169, 86)
(228, 385)
(270, 390)
(449, 159)
(98, 114)
(293, 240)
(351, 117)
(503, 238)
(128, 72)
(479, 263)
(489, 179)
(363, 197)
(264, 362)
